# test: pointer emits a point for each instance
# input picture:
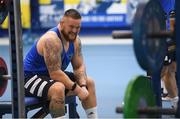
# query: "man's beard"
(66, 36)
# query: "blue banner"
(94, 14)
(102, 20)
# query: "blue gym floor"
(111, 67)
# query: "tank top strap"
(55, 29)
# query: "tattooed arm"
(78, 64)
(50, 48)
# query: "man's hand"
(81, 92)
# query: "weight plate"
(3, 10)
(139, 94)
(3, 71)
(150, 52)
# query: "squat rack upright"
(16, 54)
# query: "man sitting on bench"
(45, 64)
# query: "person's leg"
(170, 80)
(46, 89)
(90, 104)
(163, 88)
(57, 100)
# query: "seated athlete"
(45, 64)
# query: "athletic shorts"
(38, 85)
(169, 58)
(171, 54)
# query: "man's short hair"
(72, 13)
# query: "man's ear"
(61, 23)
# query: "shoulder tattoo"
(52, 55)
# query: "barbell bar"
(118, 34)
(152, 110)
(5, 77)
(148, 33)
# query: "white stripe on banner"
(34, 85)
(30, 80)
(41, 89)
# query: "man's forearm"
(63, 78)
(80, 77)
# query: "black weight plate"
(150, 52)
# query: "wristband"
(73, 87)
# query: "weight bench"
(32, 103)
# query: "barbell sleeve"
(161, 34)
(5, 77)
(157, 110)
(118, 34)
(119, 110)
(151, 110)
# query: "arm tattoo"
(79, 50)
(51, 56)
(80, 75)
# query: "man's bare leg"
(90, 104)
(57, 100)
(170, 80)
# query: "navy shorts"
(171, 52)
(38, 85)
(169, 58)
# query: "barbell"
(151, 111)
(3, 70)
(139, 100)
(128, 34)
(3, 67)
(3, 76)
(149, 35)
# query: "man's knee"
(56, 90)
(57, 99)
(90, 83)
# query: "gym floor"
(111, 63)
